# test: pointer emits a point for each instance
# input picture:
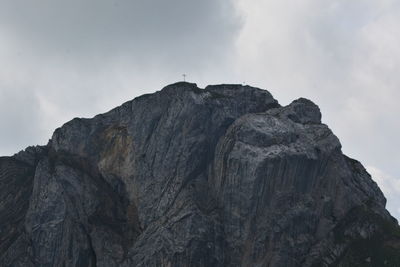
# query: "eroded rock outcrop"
(221, 176)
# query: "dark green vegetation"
(379, 248)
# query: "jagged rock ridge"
(221, 176)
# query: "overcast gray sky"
(61, 59)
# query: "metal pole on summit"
(184, 77)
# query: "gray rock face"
(221, 176)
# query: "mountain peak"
(221, 176)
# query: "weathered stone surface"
(16, 179)
(221, 176)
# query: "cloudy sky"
(61, 59)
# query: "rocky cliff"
(221, 176)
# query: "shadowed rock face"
(221, 176)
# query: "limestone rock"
(221, 176)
